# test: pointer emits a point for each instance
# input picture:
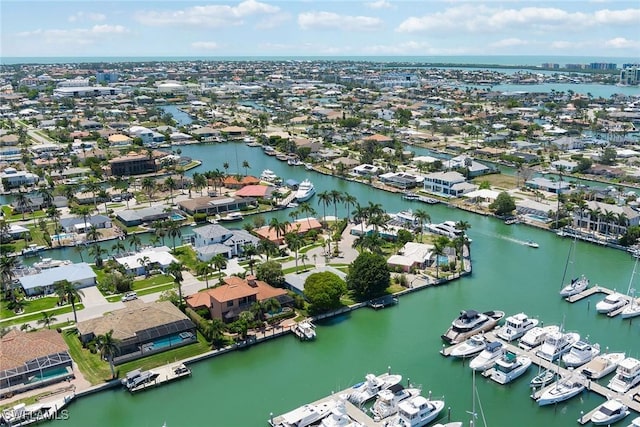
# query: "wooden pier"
(629, 398)
(165, 374)
(588, 292)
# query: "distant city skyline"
(319, 28)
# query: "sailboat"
(633, 308)
(578, 284)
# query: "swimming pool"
(166, 342)
(47, 375)
(177, 217)
(62, 236)
(538, 218)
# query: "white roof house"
(157, 256)
(81, 275)
(412, 255)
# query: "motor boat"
(574, 287)
(563, 389)
(269, 176)
(632, 309)
(470, 347)
(417, 411)
(471, 322)
(231, 217)
(371, 386)
(339, 417)
(611, 303)
(516, 326)
(556, 344)
(611, 411)
(305, 415)
(46, 263)
(536, 336)
(580, 353)
(305, 330)
(627, 375)
(544, 377)
(509, 367)
(487, 357)
(305, 191)
(602, 365)
(531, 244)
(387, 401)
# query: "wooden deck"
(588, 292)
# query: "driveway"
(92, 297)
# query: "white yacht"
(416, 412)
(627, 375)
(231, 217)
(387, 401)
(339, 417)
(516, 326)
(536, 336)
(305, 191)
(563, 389)
(472, 346)
(580, 353)
(611, 411)
(46, 263)
(544, 377)
(447, 228)
(509, 367)
(305, 330)
(556, 344)
(405, 219)
(305, 415)
(611, 303)
(602, 365)
(371, 386)
(487, 357)
(576, 286)
(471, 322)
(632, 309)
(269, 176)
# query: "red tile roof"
(18, 347)
(253, 191)
(300, 226)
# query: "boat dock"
(591, 385)
(165, 374)
(588, 292)
(383, 302)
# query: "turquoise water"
(61, 236)
(538, 218)
(58, 372)
(167, 342)
(177, 217)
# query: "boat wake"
(510, 239)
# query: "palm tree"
(219, 261)
(422, 216)
(145, 263)
(135, 242)
(22, 202)
(267, 247)
(47, 196)
(205, 269)
(69, 292)
(622, 221)
(118, 247)
(199, 181)
(92, 233)
(54, 214)
(438, 250)
(47, 319)
(83, 212)
(306, 209)
(324, 199)
(79, 249)
(463, 226)
(275, 225)
(225, 165)
(249, 250)
(294, 243)
(149, 187)
(170, 183)
(108, 347)
(360, 214)
(175, 269)
(336, 197)
(609, 218)
(245, 165)
(97, 251)
(8, 268)
(174, 231)
(349, 200)
(93, 187)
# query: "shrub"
(200, 217)
(201, 324)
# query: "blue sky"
(326, 27)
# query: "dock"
(383, 302)
(588, 292)
(629, 398)
(162, 375)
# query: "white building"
(154, 258)
(81, 275)
(13, 178)
(210, 240)
(564, 165)
(452, 184)
(85, 91)
(412, 255)
(603, 218)
(366, 170)
(148, 136)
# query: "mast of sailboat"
(572, 250)
(633, 273)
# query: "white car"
(129, 296)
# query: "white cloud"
(207, 16)
(412, 48)
(76, 36)
(565, 45)
(622, 43)
(87, 16)
(273, 21)
(474, 18)
(379, 4)
(333, 21)
(511, 42)
(204, 45)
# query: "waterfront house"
(13, 178)
(611, 220)
(232, 181)
(206, 134)
(300, 227)
(31, 360)
(78, 225)
(119, 140)
(366, 170)
(234, 132)
(81, 275)
(468, 163)
(450, 184)
(256, 191)
(214, 239)
(154, 258)
(133, 217)
(132, 164)
(296, 280)
(236, 295)
(214, 205)
(141, 329)
(149, 137)
(402, 180)
(564, 165)
(544, 184)
(412, 256)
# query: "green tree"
(323, 291)
(70, 293)
(271, 272)
(368, 276)
(219, 261)
(608, 156)
(175, 269)
(47, 319)
(205, 269)
(503, 204)
(108, 347)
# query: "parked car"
(129, 296)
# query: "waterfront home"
(132, 164)
(467, 162)
(234, 132)
(236, 295)
(545, 184)
(295, 280)
(206, 134)
(564, 165)
(133, 217)
(256, 191)
(81, 275)
(232, 181)
(402, 180)
(214, 239)
(140, 263)
(366, 170)
(412, 256)
(78, 225)
(119, 140)
(214, 205)
(604, 218)
(13, 178)
(141, 329)
(149, 137)
(450, 184)
(300, 226)
(31, 360)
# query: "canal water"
(244, 387)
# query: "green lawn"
(187, 256)
(38, 316)
(32, 306)
(145, 291)
(94, 369)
